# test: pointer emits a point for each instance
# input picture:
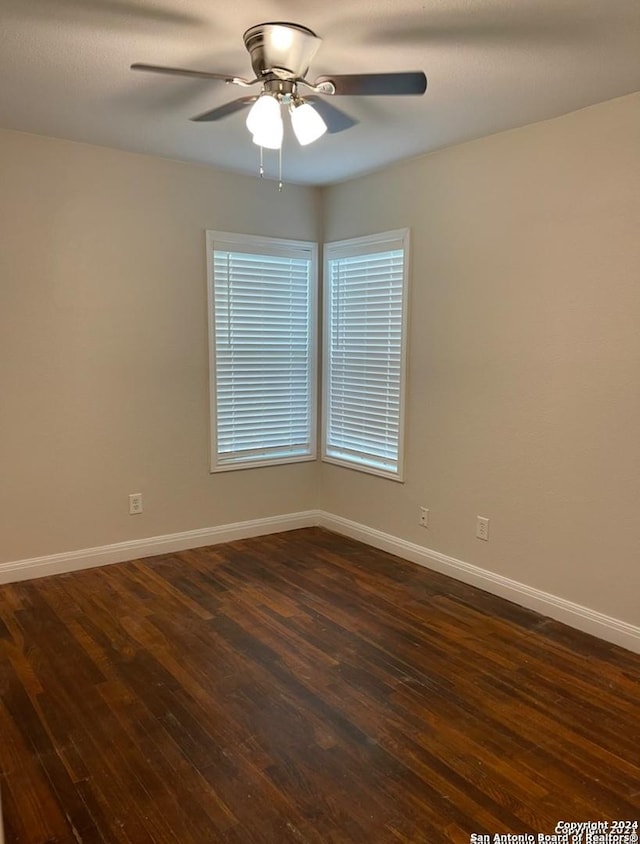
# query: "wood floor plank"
(302, 688)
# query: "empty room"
(319, 422)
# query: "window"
(262, 314)
(365, 305)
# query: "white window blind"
(262, 316)
(365, 317)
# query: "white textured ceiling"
(491, 65)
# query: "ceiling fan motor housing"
(285, 47)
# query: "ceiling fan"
(280, 56)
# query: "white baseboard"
(582, 618)
(137, 548)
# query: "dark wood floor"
(302, 688)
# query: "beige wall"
(524, 387)
(524, 390)
(103, 345)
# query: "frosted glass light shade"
(264, 108)
(264, 121)
(307, 124)
(270, 136)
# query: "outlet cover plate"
(482, 528)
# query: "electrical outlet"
(424, 517)
(482, 528)
(135, 503)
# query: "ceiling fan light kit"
(264, 121)
(281, 54)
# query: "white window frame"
(257, 245)
(369, 244)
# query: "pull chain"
(280, 184)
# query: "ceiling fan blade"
(198, 74)
(377, 84)
(224, 110)
(336, 120)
